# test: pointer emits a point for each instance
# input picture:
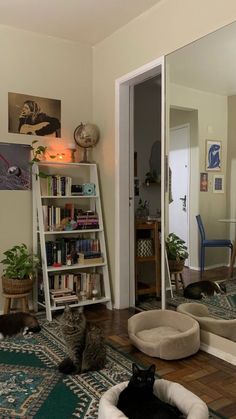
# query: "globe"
(86, 136)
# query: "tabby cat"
(137, 400)
(14, 323)
(84, 342)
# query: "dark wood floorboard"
(210, 378)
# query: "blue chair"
(209, 243)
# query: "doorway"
(179, 157)
(124, 210)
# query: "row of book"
(68, 251)
(56, 185)
(65, 288)
(68, 218)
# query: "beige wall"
(231, 163)
(169, 25)
(41, 66)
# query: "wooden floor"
(205, 375)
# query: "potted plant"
(19, 270)
(176, 252)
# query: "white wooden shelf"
(80, 173)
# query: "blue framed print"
(213, 155)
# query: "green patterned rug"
(218, 305)
(31, 386)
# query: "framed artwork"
(34, 115)
(203, 182)
(213, 155)
(14, 167)
(218, 183)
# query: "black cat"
(200, 289)
(137, 400)
(14, 323)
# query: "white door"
(179, 183)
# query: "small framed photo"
(213, 155)
(203, 182)
(218, 183)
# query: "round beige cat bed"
(188, 403)
(200, 312)
(164, 334)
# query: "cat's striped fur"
(84, 342)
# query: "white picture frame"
(213, 156)
(218, 184)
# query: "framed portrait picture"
(218, 183)
(213, 155)
(203, 182)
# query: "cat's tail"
(67, 366)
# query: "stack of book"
(90, 257)
(62, 297)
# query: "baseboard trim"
(218, 346)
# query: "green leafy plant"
(20, 263)
(38, 154)
(176, 248)
(151, 177)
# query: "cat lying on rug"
(14, 323)
(84, 343)
(137, 400)
(200, 289)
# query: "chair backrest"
(200, 227)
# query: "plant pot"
(176, 265)
(16, 286)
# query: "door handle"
(184, 199)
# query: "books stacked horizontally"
(62, 297)
(89, 257)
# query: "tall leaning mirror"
(201, 141)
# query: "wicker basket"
(16, 286)
(176, 265)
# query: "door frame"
(187, 125)
(124, 287)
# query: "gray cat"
(84, 343)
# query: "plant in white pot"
(20, 266)
(176, 252)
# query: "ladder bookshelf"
(69, 236)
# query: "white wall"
(169, 25)
(40, 66)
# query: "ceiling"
(88, 21)
(208, 64)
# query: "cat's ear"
(67, 308)
(81, 309)
(152, 369)
(135, 369)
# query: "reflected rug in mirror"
(219, 305)
(32, 387)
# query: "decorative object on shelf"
(20, 267)
(88, 189)
(143, 209)
(144, 247)
(176, 252)
(72, 149)
(86, 136)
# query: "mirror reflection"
(201, 137)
